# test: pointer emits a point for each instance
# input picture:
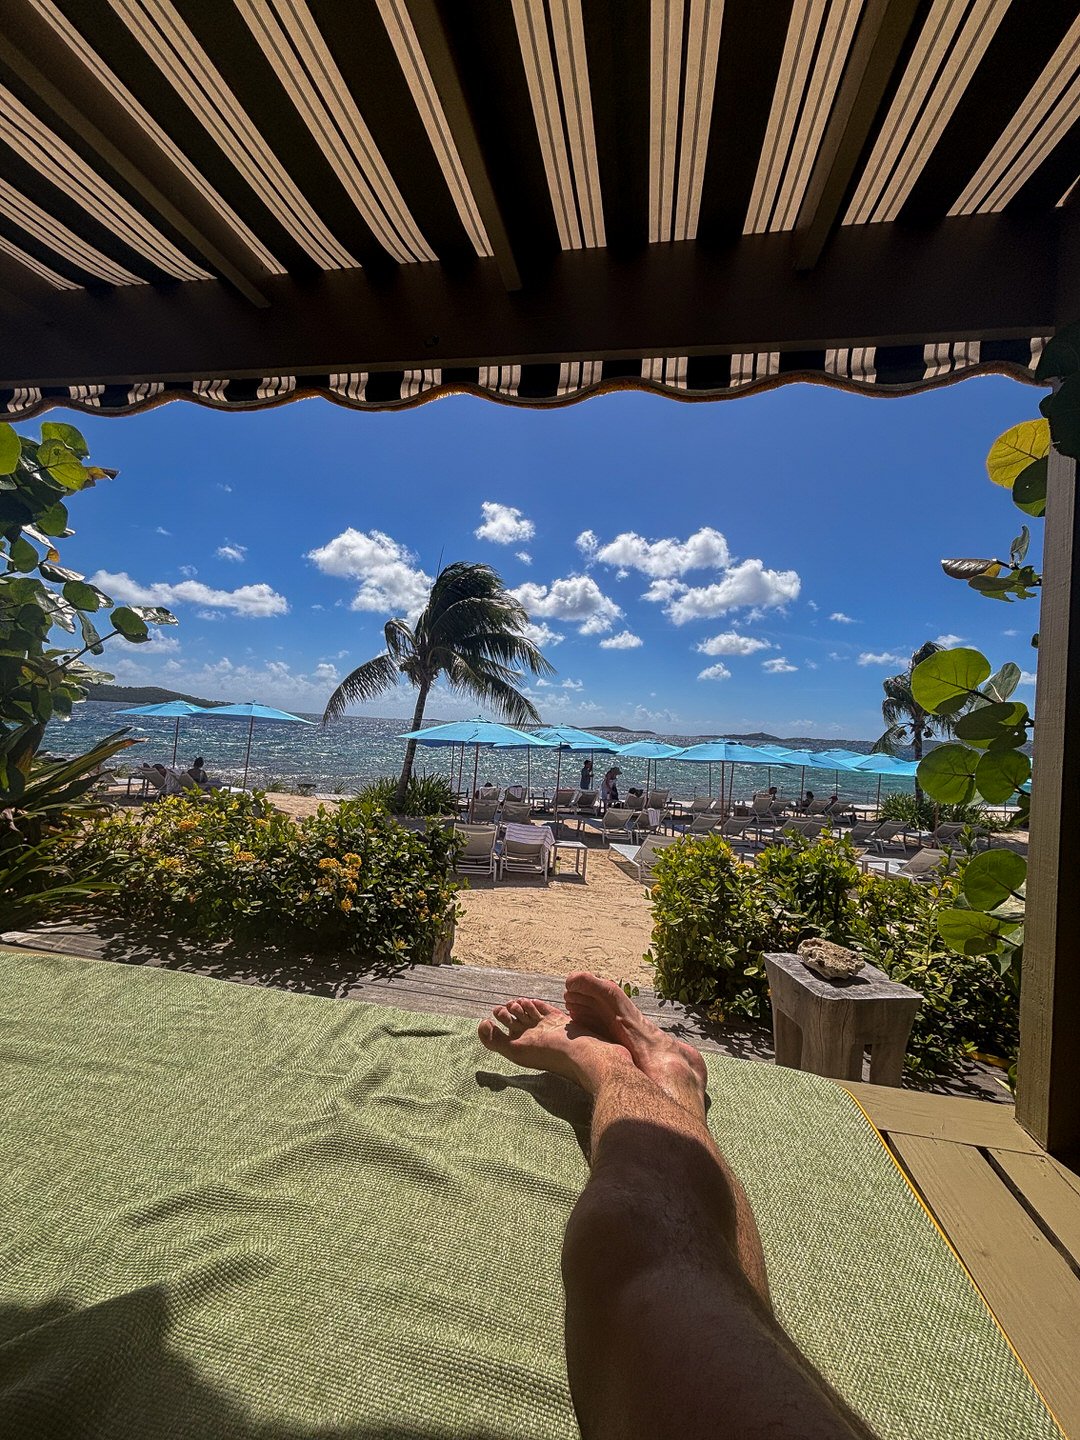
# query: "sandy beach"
(602, 924)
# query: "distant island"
(142, 695)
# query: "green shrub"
(920, 812)
(424, 795)
(715, 918)
(228, 867)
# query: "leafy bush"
(424, 795)
(923, 813)
(715, 918)
(230, 867)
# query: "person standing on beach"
(585, 783)
(609, 790)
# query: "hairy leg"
(669, 1330)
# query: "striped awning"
(241, 202)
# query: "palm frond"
(372, 678)
(891, 742)
(400, 640)
(491, 688)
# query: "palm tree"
(471, 633)
(907, 721)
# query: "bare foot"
(602, 1007)
(542, 1037)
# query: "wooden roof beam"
(118, 139)
(878, 45)
(429, 24)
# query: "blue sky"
(711, 568)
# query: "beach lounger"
(478, 857)
(527, 856)
(483, 812)
(886, 833)
(702, 804)
(647, 853)
(925, 865)
(702, 825)
(515, 813)
(619, 822)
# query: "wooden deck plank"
(1028, 1285)
(943, 1117)
(1046, 1190)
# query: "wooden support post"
(1048, 1084)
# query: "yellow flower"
(351, 859)
(345, 905)
(328, 863)
(244, 855)
(187, 824)
(305, 896)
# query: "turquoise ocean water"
(341, 758)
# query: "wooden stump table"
(824, 1026)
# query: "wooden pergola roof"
(244, 201)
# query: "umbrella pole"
(247, 753)
(475, 766)
(176, 739)
(879, 792)
(528, 775)
(710, 779)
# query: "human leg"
(669, 1330)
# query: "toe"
(504, 1015)
(543, 1009)
(491, 1037)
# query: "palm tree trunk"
(916, 748)
(410, 750)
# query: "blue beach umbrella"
(169, 710)
(721, 752)
(569, 737)
(649, 751)
(248, 710)
(477, 733)
(882, 764)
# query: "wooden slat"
(1048, 1074)
(1045, 1189)
(942, 1117)
(1025, 1281)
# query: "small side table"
(580, 852)
(824, 1026)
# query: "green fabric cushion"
(230, 1211)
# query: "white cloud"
(810, 665)
(188, 571)
(1027, 677)
(503, 524)
(731, 643)
(948, 641)
(587, 542)
(706, 549)
(715, 672)
(835, 655)
(250, 601)
(576, 598)
(573, 685)
(160, 530)
(391, 583)
(542, 635)
(841, 618)
(644, 716)
(778, 666)
(880, 657)
(523, 556)
(1010, 632)
(748, 583)
(625, 640)
(812, 604)
(229, 551)
(226, 488)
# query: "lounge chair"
(646, 855)
(797, 830)
(563, 800)
(515, 813)
(886, 833)
(733, 830)
(478, 856)
(657, 800)
(701, 804)
(483, 812)
(705, 825)
(526, 857)
(926, 864)
(620, 823)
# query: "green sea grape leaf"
(990, 722)
(1029, 493)
(1061, 354)
(1062, 409)
(1002, 685)
(131, 626)
(67, 435)
(946, 675)
(10, 449)
(1000, 774)
(994, 877)
(947, 774)
(1012, 452)
(972, 932)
